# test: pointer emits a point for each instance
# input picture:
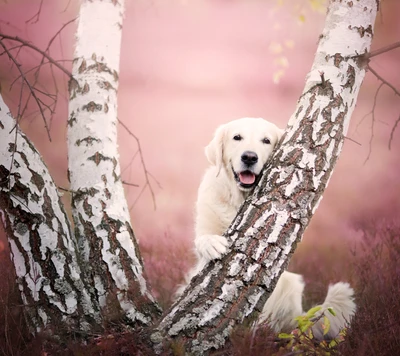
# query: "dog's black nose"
(249, 158)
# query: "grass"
(370, 262)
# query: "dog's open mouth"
(246, 179)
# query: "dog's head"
(242, 147)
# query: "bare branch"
(352, 140)
(372, 113)
(35, 18)
(392, 132)
(147, 174)
(391, 86)
(382, 50)
(37, 49)
(31, 89)
(384, 81)
(130, 184)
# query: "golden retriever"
(237, 155)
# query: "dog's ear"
(215, 149)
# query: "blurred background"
(188, 66)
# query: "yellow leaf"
(275, 47)
(281, 61)
(289, 43)
(277, 76)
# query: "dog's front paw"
(211, 246)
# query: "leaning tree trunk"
(271, 222)
(43, 252)
(100, 210)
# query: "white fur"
(219, 197)
(340, 299)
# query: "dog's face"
(242, 147)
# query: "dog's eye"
(237, 137)
(266, 141)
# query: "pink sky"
(187, 67)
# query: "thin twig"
(392, 132)
(51, 42)
(372, 113)
(352, 140)
(35, 48)
(395, 90)
(31, 90)
(37, 15)
(147, 174)
(383, 80)
(382, 50)
(130, 184)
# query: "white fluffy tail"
(340, 298)
(284, 304)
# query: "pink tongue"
(247, 177)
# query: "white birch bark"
(272, 221)
(101, 214)
(51, 283)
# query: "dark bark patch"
(104, 84)
(82, 67)
(48, 211)
(337, 59)
(4, 176)
(20, 190)
(107, 193)
(85, 88)
(351, 78)
(115, 75)
(88, 140)
(37, 180)
(362, 31)
(98, 157)
(80, 195)
(87, 208)
(72, 119)
(91, 106)
(73, 88)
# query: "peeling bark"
(100, 211)
(272, 221)
(52, 286)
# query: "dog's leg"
(211, 247)
(284, 304)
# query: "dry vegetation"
(370, 264)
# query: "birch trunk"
(269, 225)
(100, 211)
(44, 255)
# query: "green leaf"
(326, 325)
(330, 310)
(285, 336)
(305, 326)
(312, 311)
(333, 343)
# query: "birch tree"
(72, 279)
(101, 216)
(272, 221)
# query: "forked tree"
(71, 273)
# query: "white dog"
(237, 154)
